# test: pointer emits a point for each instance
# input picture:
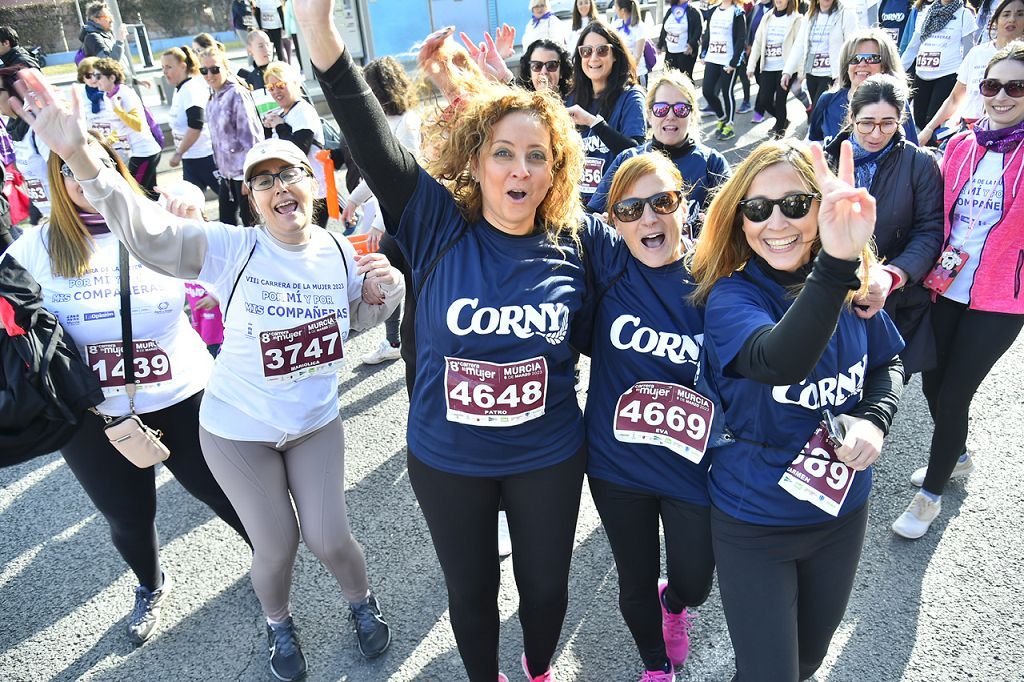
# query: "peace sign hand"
(846, 219)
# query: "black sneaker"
(372, 632)
(145, 617)
(286, 660)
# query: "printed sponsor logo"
(626, 333)
(73, 319)
(830, 391)
(105, 315)
(60, 298)
(550, 320)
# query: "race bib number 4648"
(489, 394)
(669, 415)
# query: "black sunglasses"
(630, 210)
(866, 58)
(549, 66)
(680, 109)
(793, 206)
(990, 87)
(203, 70)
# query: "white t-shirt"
(194, 92)
(720, 36)
(677, 28)
(171, 360)
(774, 39)
(139, 144)
(942, 53)
(290, 308)
(981, 199)
(820, 42)
(636, 36)
(971, 73)
(552, 29)
(268, 13)
(30, 156)
(302, 116)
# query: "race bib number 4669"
(669, 415)
(489, 394)
(302, 351)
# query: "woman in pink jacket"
(976, 284)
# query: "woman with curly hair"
(546, 66)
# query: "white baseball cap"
(282, 150)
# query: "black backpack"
(45, 387)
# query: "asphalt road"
(946, 607)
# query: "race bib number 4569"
(669, 415)
(302, 351)
(489, 394)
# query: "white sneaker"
(915, 522)
(384, 352)
(504, 539)
(961, 470)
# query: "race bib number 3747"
(302, 351)
(489, 394)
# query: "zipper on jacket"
(1016, 275)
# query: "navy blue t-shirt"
(627, 118)
(645, 330)
(892, 18)
(494, 391)
(772, 423)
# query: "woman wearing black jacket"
(680, 36)
(906, 183)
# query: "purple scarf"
(537, 20)
(1003, 140)
(94, 222)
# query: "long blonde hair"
(722, 248)
(68, 241)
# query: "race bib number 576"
(489, 394)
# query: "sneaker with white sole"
(382, 353)
(504, 539)
(915, 522)
(373, 634)
(502, 677)
(961, 470)
(547, 676)
(745, 108)
(145, 616)
(287, 662)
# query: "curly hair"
(390, 85)
(110, 67)
(459, 139)
(564, 66)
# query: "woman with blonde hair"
(193, 150)
(646, 425)
(77, 262)
(808, 391)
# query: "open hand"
(505, 38)
(179, 207)
(59, 125)
(207, 302)
(846, 219)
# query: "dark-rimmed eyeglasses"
(601, 50)
(550, 66)
(680, 109)
(866, 58)
(65, 170)
(203, 70)
(990, 87)
(793, 206)
(288, 176)
(866, 126)
(631, 210)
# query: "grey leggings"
(257, 478)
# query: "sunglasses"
(89, 76)
(867, 58)
(280, 85)
(209, 69)
(680, 109)
(663, 203)
(602, 50)
(550, 66)
(990, 87)
(865, 127)
(288, 176)
(793, 206)
(66, 171)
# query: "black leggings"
(630, 517)
(929, 96)
(967, 344)
(143, 169)
(718, 82)
(462, 512)
(681, 62)
(771, 99)
(233, 205)
(816, 85)
(784, 591)
(126, 495)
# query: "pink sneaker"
(548, 676)
(658, 676)
(502, 678)
(675, 628)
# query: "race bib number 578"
(489, 394)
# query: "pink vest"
(999, 280)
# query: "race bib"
(593, 171)
(929, 60)
(489, 394)
(716, 47)
(35, 191)
(894, 33)
(817, 476)
(773, 50)
(306, 350)
(669, 415)
(821, 61)
(671, 38)
(152, 366)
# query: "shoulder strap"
(344, 261)
(224, 313)
(127, 344)
(437, 259)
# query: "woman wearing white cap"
(270, 430)
(543, 24)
